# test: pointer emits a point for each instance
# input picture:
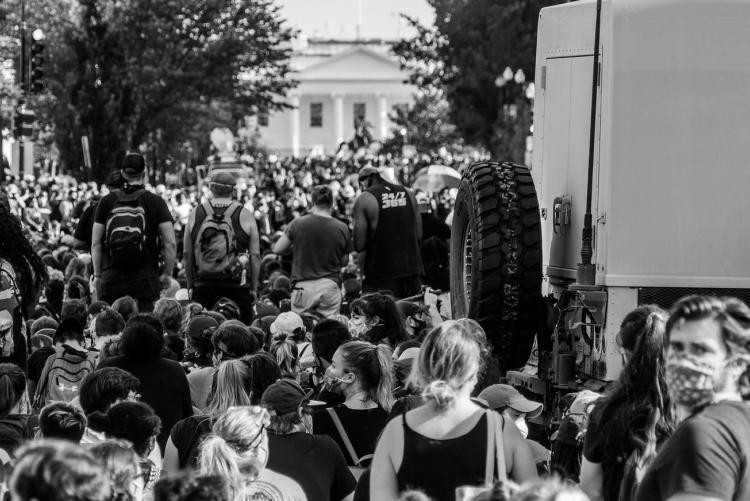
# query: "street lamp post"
(24, 79)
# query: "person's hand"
(430, 298)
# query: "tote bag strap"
(344, 437)
(495, 450)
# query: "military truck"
(637, 193)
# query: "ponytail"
(383, 393)
(218, 458)
(284, 350)
(441, 393)
(373, 365)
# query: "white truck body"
(670, 199)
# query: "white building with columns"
(337, 82)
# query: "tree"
(470, 46)
(131, 72)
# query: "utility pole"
(24, 79)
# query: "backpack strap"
(344, 437)
(494, 448)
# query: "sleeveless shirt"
(392, 249)
(437, 467)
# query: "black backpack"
(125, 230)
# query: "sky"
(338, 18)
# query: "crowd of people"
(284, 339)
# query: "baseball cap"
(367, 171)
(133, 164)
(201, 326)
(284, 396)
(287, 322)
(504, 395)
(409, 309)
(228, 308)
(222, 177)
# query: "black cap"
(133, 164)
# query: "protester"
(56, 470)
(320, 247)
(707, 359)
(132, 227)
(375, 318)
(221, 256)
(22, 277)
(637, 416)
(163, 384)
(441, 445)
(237, 450)
(192, 487)
(362, 373)
(101, 390)
(387, 229)
(107, 325)
(232, 387)
(169, 313)
(16, 426)
(62, 421)
(122, 466)
(198, 358)
(137, 423)
(314, 461)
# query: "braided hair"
(31, 273)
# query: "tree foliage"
(464, 53)
(129, 72)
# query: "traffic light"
(23, 123)
(37, 63)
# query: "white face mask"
(522, 427)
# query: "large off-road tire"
(496, 258)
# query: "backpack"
(125, 230)
(62, 375)
(216, 255)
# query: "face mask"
(522, 427)
(331, 381)
(357, 328)
(691, 382)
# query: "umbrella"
(436, 177)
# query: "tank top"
(437, 467)
(392, 249)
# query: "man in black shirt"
(387, 231)
(125, 249)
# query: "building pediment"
(356, 64)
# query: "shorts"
(321, 296)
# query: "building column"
(294, 101)
(338, 117)
(382, 116)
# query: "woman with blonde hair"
(232, 387)
(237, 451)
(284, 350)
(450, 441)
(362, 373)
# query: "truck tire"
(496, 258)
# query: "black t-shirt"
(36, 363)
(707, 456)
(314, 461)
(157, 212)
(86, 225)
(319, 244)
(363, 426)
(163, 386)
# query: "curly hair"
(31, 272)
